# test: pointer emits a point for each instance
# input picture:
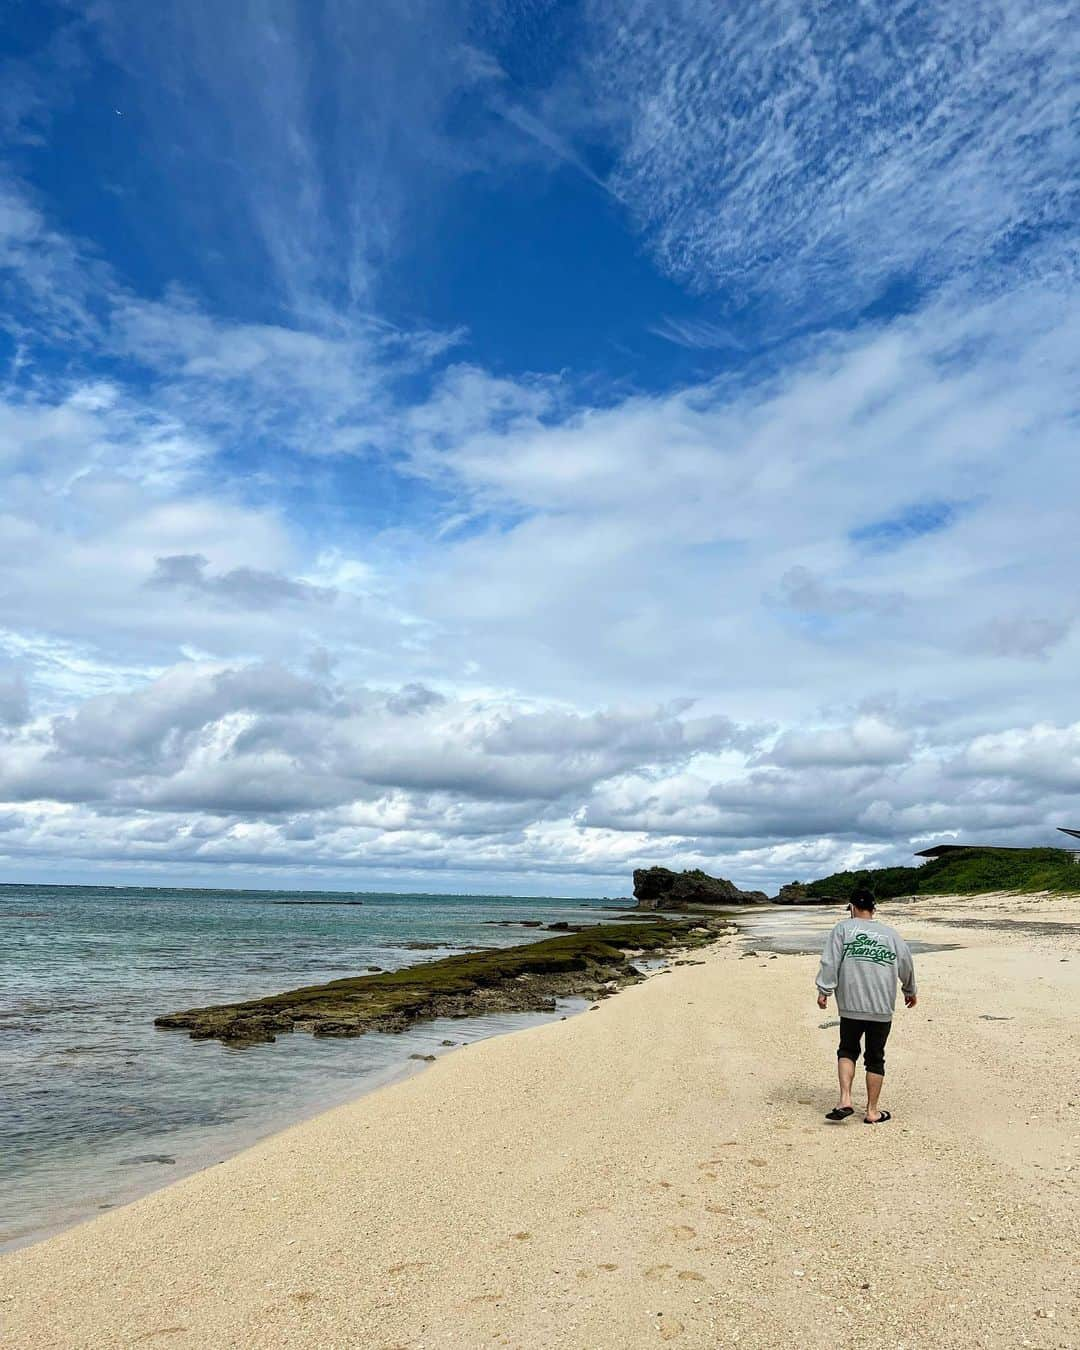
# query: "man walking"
(861, 961)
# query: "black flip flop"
(880, 1120)
(840, 1113)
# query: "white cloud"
(203, 736)
(257, 767)
(318, 390)
(14, 697)
(1046, 755)
(602, 629)
(703, 543)
(867, 740)
(335, 127)
(48, 273)
(713, 533)
(816, 154)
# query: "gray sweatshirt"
(861, 961)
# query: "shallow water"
(800, 930)
(97, 1105)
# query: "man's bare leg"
(873, 1092)
(845, 1070)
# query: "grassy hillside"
(967, 873)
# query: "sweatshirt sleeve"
(905, 967)
(831, 956)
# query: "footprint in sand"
(606, 1265)
(690, 1275)
(522, 1237)
(670, 1330)
(404, 1266)
(682, 1231)
(657, 1272)
(486, 1298)
(718, 1209)
(303, 1295)
(758, 1162)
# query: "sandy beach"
(656, 1171)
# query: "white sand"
(656, 1171)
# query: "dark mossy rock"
(798, 893)
(509, 979)
(659, 888)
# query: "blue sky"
(496, 446)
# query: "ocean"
(97, 1106)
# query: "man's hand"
(910, 1000)
(823, 1001)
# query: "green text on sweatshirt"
(861, 962)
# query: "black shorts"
(851, 1033)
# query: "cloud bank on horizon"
(470, 447)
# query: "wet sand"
(657, 1171)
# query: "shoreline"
(633, 1176)
(485, 1021)
(202, 1160)
(94, 1097)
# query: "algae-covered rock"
(508, 979)
(660, 888)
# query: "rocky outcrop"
(659, 888)
(592, 963)
(798, 893)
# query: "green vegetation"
(508, 979)
(968, 872)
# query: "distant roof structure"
(939, 850)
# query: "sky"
(453, 446)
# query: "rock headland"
(660, 888)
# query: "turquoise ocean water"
(98, 1106)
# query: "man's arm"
(905, 969)
(829, 970)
